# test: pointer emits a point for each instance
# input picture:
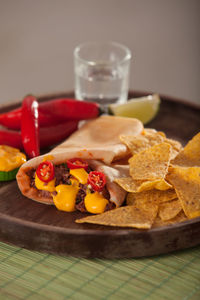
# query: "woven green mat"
(32, 275)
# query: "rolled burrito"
(96, 143)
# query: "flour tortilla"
(96, 140)
(99, 139)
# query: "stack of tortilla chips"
(164, 183)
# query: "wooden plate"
(35, 226)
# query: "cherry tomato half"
(97, 180)
(45, 171)
(77, 163)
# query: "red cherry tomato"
(77, 163)
(45, 171)
(97, 180)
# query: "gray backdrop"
(37, 39)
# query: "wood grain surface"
(36, 226)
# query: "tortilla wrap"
(98, 142)
(99, 138)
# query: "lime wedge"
(143, 108)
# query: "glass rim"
(126, 57)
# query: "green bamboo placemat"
(32, 275)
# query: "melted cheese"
(10, 158)
(74, 182)
(66, 197)
(95, 203)
(80, 174)
(45, 186)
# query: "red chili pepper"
(97, 180)
(54, 112)
(12, 119)
(55, 134)
(77, 163)
(45, 171)
(30, 126)
(48, 135)
(70, 109)
(11, 138)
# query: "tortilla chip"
(175, 144)
(167, 195)
(176, 147)
(152, 163)
(154, 135)
(149, 132)
(159, 184)
(135, 144)
(148, 138)
(190, 155)
(181, 217)
(148, 205)
(128, 184)
(143, 141)
(135, 186)
(126, 216)
(186, 182)
(169, 210)
(151, 195)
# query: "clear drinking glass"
(102, 72)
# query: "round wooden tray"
(36, 226)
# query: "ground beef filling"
(63, 176)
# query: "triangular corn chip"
(135, 186)
(181, 217)
(186, 182)
(190, 155)
(126, 216)
(151, 195)
(169, 210)
(152, 163)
